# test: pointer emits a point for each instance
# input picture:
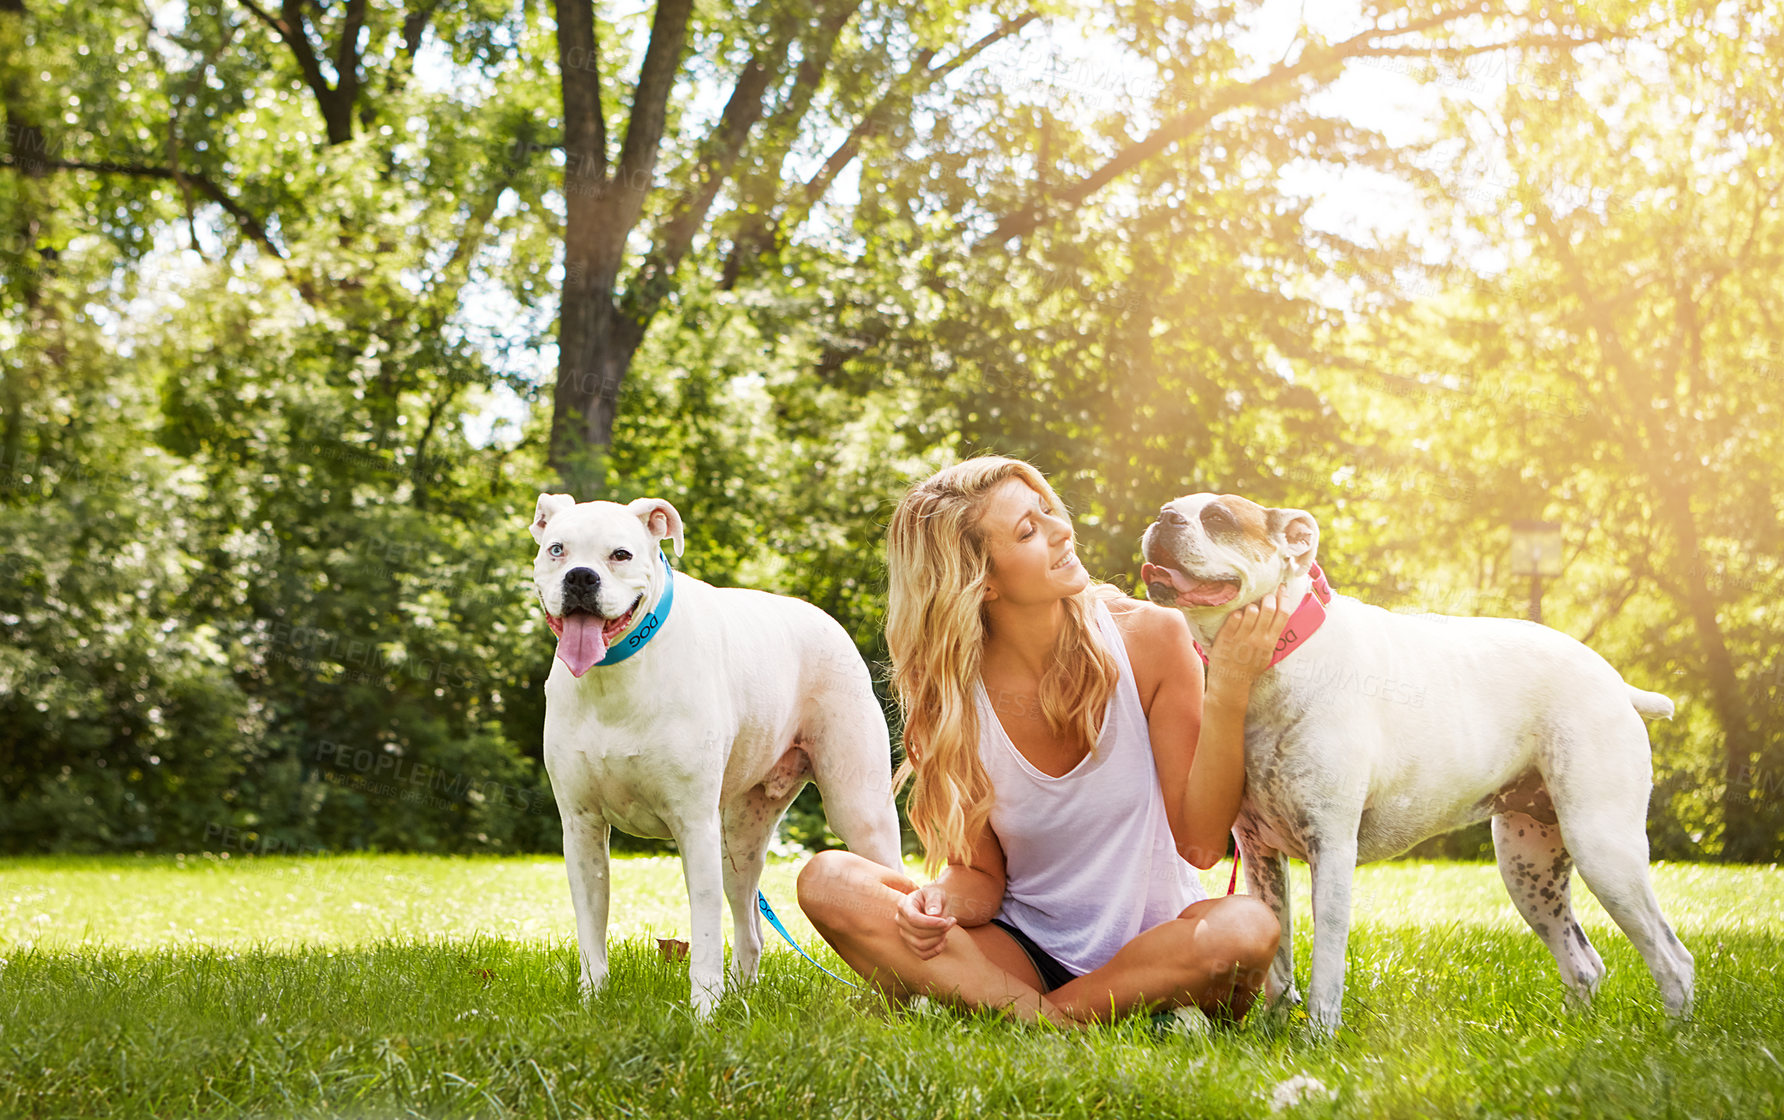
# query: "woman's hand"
(1245, 644)
(921, 921)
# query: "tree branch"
(250, 224)
(766, 226)
(1313, 62)
(782, 126)
(346, 59)
(418, 463)
(718, 155)
(415, 25)
(296, 35)
(465, 248)
(336, 102)
(176, 106)
(870, 124)
(579, 70)
(1600, 324)
(601, 209)
(875, 117)
(656, 78)
(277, 27)
(1627, 589)
(415, 22)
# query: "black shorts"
(1053, 974)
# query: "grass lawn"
(374, 986)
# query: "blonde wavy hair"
(935, 629)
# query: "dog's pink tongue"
(582, 643)
(1207, 593)
(1201, 593)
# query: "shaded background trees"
(304, 304)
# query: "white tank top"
(1089, 859)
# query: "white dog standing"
(679, 710)
(1375, 730)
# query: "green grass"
(378, 986)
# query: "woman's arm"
(1198, 739)
(961, 895)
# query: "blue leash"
(774, 920)
(1160, 1022)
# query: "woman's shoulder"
(1136, 618)
(1158, 643)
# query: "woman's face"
(1030, 545)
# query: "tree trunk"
(596, 340)
(1741, 839)
(29, 153)
(595, 348)
(337, 116)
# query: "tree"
(1667, 322)
(806, 75)
(252, 530)
(1620, 374)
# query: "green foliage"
(265, 557)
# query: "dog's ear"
(660, 520)
(1297, 535)
(550, 505)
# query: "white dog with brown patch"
(680, 710)
(1373, 730)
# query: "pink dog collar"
(1301, 625)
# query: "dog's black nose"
(582, 579)
(1171, 517)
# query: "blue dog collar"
(648, 626)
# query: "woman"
(1065, 766)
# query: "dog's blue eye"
(620, 556)
(556, 550)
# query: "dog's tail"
(1651, 705)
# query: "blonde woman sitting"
(1066, 768)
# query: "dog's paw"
(590, 984)
(1283, 1000)
(1576, 1001)
(1323, 1023)
(1188, 1021)
(705, 999)
(924, 1006)
(1298, 1090)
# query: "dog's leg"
(585, 859)
(1610, 848)
(1333, 861)
(853, 768)
(1600, 784)
(749, 824)
(701, 846)
(1538, 871)
(1266, 877)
